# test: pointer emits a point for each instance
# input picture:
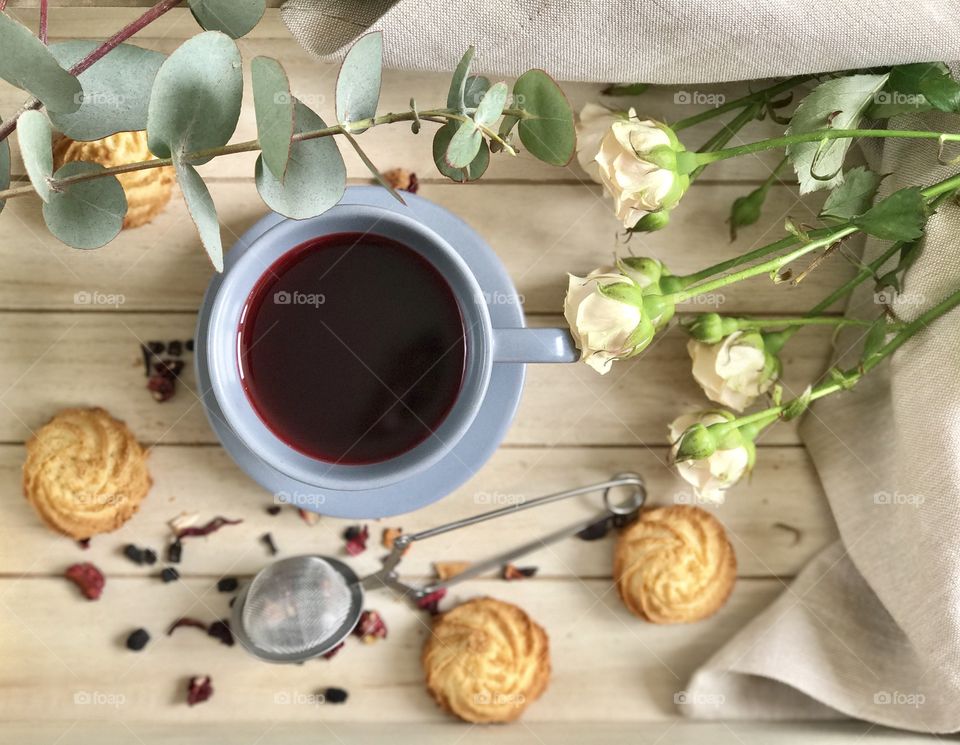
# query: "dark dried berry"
(175, 348)
(267, 540)
(332, 652)
(161, 386)
(88, 578)
(199, 689)
(137, 640)
(175, 552)
(274, 509)
(370, 627)
(511, 572)
(149, 556)
(596, 531)
(169, 574)
(133, 553)
(221, 630)
(431, 601)
(147, 355)
(168, 368)
(157, 347)
(84, 544)
(335, 696)
(188, 345)
(227, 584)
(356, 537)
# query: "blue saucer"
(481, 439)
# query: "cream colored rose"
(605, 329)
(733, 372)
(616, 152)
(710, 477)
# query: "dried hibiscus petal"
(88, 578)
(199, 689)
(310, 518)
(431, 601)
(332, 652)
(185, 621)
(511, 572)
(211, 527)
(370, 627)
(161, 386)
(356, 537)
(221, 630)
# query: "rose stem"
(761, 97)
(43, 20)
(113, 42)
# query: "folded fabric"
(871, 627)
(670, 41)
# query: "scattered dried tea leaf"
(267, 540)
(88, 578)
(175, 551)
(169, 574)
(84, 544)
(182, 521)
(447, 569)
(227, 584)
(335, 696)
(402, 179)
(356, 537)
(370, 627)
(511, 572)
(310, 518)
(390, 535)
(274, 509)
(199, 689)
(186, 621)
(221, 630)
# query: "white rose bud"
(735, 371)
(634, 159)
(606, 328)
(713, 474)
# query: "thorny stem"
(7, 127)
(761, 97)
(433, 115)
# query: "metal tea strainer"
(304, 606)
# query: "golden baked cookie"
(85, 473)
(147, 190)
(486, 661)
(674, 565)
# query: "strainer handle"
(635, 500)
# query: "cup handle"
(534, 345)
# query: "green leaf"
(4, 168)
(36, 148)
(373, 169)
(746, 210)
(909, 253)
(876, 335)
(491, 105)
(942, 91)
(835, 104)
(473, 91)
(316, 176)
(116, 90)
(441, 141)
(900, 217)
(196, 96)
(358, 84)
(235, 18)
(27, 63)
(86, 214)
(202, 210)
(274, 108)
(455, 96)
(549, 134)
(917, 87)
(854, 196)
(464, 145)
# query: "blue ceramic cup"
(486, 346)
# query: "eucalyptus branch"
(432, 115)
(759, 97)
(135, 26)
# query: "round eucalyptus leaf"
(316, 176)
(441, 141)
(274, 107)
(235, 18)
(4, 168)
(491, 105)
(202, 211)
(27, 63)
(474, 89)
(116, 90)
(196, 96)
(458, 84)
(549, 134)
(86, 214)
(36, 148)
(358, 84)
(464, 145)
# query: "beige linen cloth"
(871, 627)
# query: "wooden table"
(64, 672)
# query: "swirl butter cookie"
(85, 473)
(486, 661)
(674, 565)
(147, 190)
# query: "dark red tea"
(352, 348)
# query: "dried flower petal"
(88, 578)
(389, 536)
(511, 572)
(185, 621)
(370, 627)
(310, 518)
(221, 630)
(401, 178)
(448, 569)
(199, 689)
(183, 520)
(162, 387)
(211, 527)
(84, 544)
(356, 537)
(431, 601)
(332, 652)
